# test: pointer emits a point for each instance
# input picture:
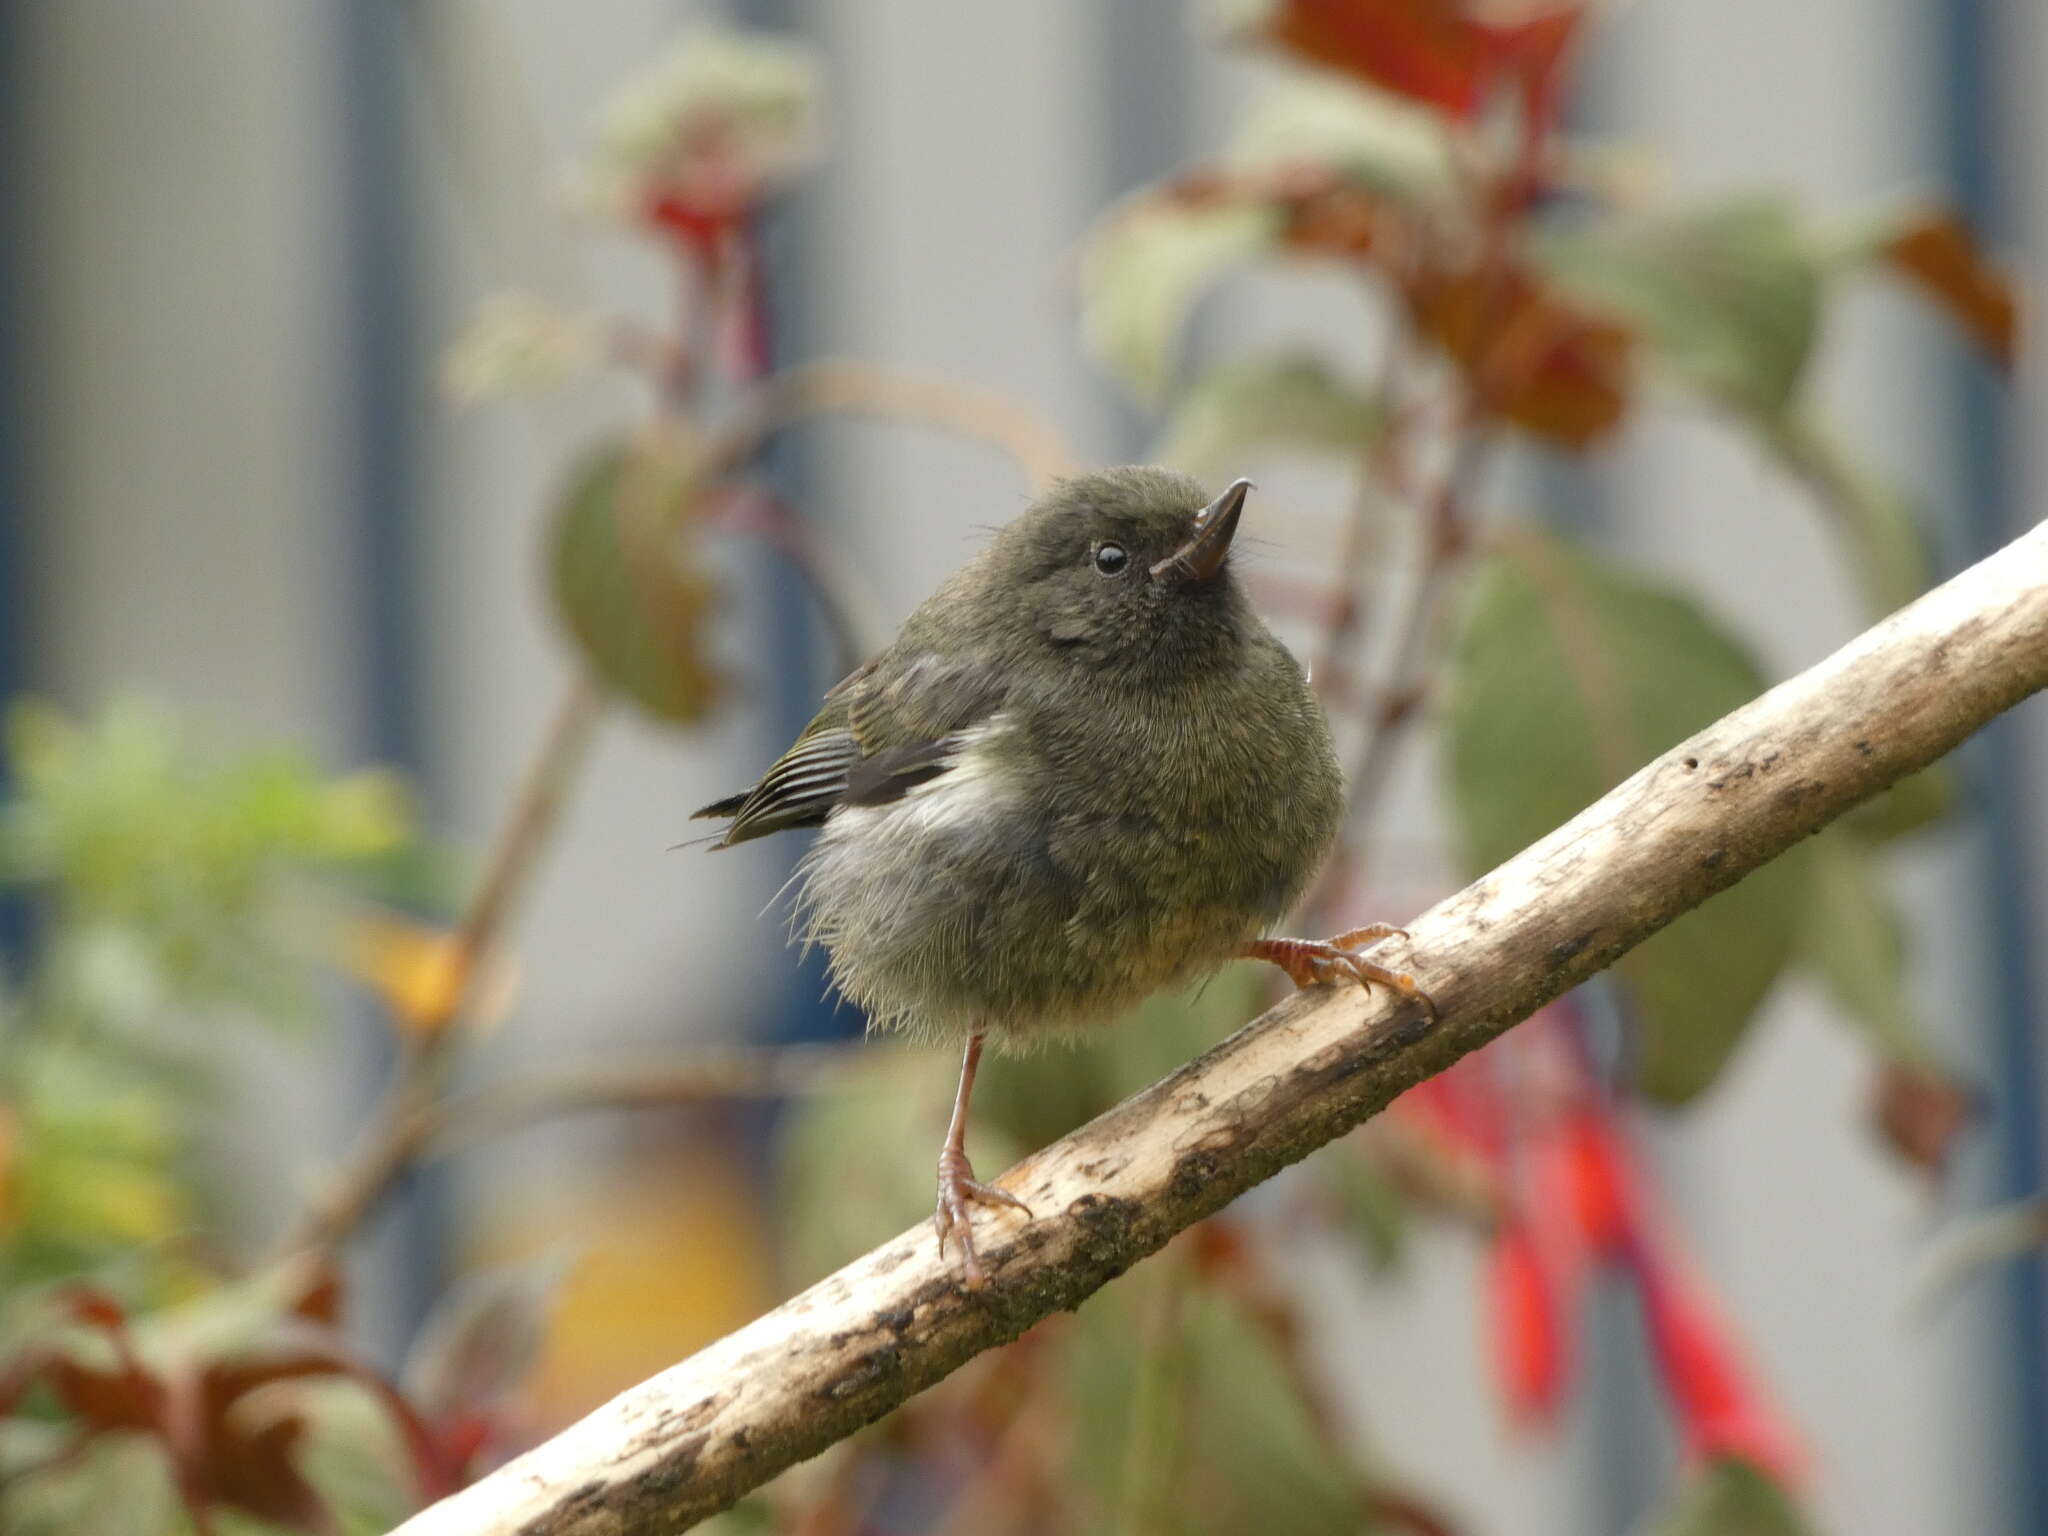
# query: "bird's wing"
(883, 730)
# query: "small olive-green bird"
(1084, 772)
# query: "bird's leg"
(1312, 962)
(959, 1190)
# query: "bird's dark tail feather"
(728, 807)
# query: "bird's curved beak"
(1215, 526)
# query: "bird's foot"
(1315, 962)
(959, 1193)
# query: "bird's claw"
(959, 1192)
(1317, 962)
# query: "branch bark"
(686, 1443)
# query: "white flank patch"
(975, 783)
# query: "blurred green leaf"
(1730, 297)
(858, 1163)
(1241, 1455)
(118, 1485)
(1374, 1205)
(1286, 400)
(1876, 521)
(353, 1455)
(1732, 1498)
(1144, 270)
(90, 1160)
(1039, 1097)
(167, 872)
(1916, 801)
(176, 887)
(1567, 675)
(624, 583)
(749, 1517)
(1852, 938)
(1363, 135)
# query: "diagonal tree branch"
(688, 1442)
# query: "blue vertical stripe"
(14, 491)
(381, 390)
(1966, 53)
(791, 637)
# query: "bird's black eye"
(1110, 559)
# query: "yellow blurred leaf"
(422, 974)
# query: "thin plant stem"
(393, 1140)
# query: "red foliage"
(1920, 1111)
(1575, 1195)
(1531, 1325)
(1532, 355)
(1449, 54)
(225, 1448)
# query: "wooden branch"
(688, 1442)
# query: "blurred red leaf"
(96, 1309)
(199, 1398)
(1920, 1111)
(1935, 251)
(1446, 53)
(246, 1461)
(1531, 51)
(125, 1398)
(1720, 1411)
(1425, 49)
(1591, 1173)
(1534, 357)
(1531, 1324)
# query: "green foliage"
(1732, 1498)
(1141, 278)
(174, 892)
(1877, 522)
(892, 1107)
(1287, 400)
(94, 1151)
(1369, 138)
(623, 581)
(1185, 1418)
(163, 873)
(1376, 1211)
(1567, 675)
(1853, 939)
(1729, 297)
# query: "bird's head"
(1125, 567)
